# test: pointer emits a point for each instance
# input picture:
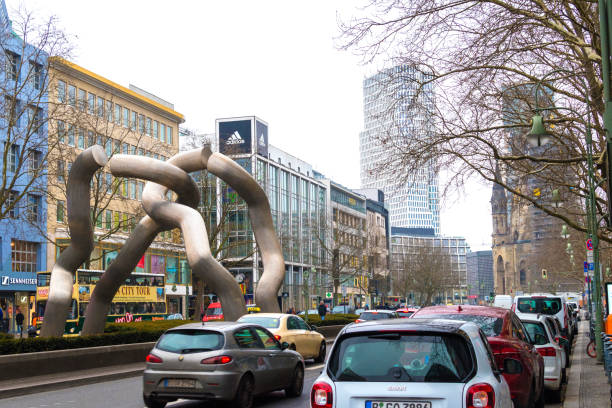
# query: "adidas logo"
(262, 141)
(234, 139)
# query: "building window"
(134, 121)
(91, 103)
(117, 114)
(12, 205)
(71, 135)
(61, 129)
(169, 135)
(23, 256)
(33, 208)
(13, 65)
(109, 219)
(72, 95)
(35, 119)
(60, 170)
(100, 107)
(109, 111)
(156, 129)
(82, 102)
(141, 124)
(148, 127)
(60, 210)
(61, 91)
(37, 75)
(13, 157)
(34, 161)
(126, 117)
(162, 132)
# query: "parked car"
(553, 354)
(376, 315)
(213, 312)
(291, 329)
(313, 312)
(220, 361)
(545, 304)
(406, 312)
(555, 328)
(426, 363)
(342, 309)
(504, 301)
(508, 339)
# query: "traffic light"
(544, 274)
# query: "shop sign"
(18, 281)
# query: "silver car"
(412, 363)
(224, 361)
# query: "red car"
(213, 312)
(508, 340)
(406, 312)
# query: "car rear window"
(190, 341)
(534, 328)
(548, 306)
(376, 316)
(491, 326)
(214, 311)
(267, 322)
(401, 357)
(405, 314)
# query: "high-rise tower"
(397, 106)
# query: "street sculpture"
(162, 215)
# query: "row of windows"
(113, 112)
(13, 69)
(32, 209)
(82, 139)
(348, 220)
(15, 110)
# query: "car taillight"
(547, 352)
(217, 360)
(480, 396)
(277, 337)
(152, 358)
(359, 321)
(321, 395)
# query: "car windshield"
(190, 341)
(214, 311)
(267, 322)
(405, 314)
(340, 309)
(376, 316)
(491, 326)
(548, 306)
(401, 357)
(535, 328)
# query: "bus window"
(130, 307)
(161, 308)
(129, 281)
(72, 310)
(40, 308)
(95, 278)
(82, 308)
(139, 280)
(118, 308)
(43, 279)
(158, 281)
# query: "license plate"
(179, 383)
(398, 404)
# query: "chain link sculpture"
(162, 215)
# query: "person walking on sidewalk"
(19, 321)
(322, 310)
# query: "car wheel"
(555, 396)
(322, 350)
(244, 394)
(151, 402)
(297, 383)
(540, 402)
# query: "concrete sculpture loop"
(81, 244)
(164, 215)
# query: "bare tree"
(26, 112)
(426, 272)
(482, 59)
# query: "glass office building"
(393, 112)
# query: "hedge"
(331, 319)
(114, 333)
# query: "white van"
(504, 301)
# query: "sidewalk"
(587, 383)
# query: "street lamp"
(539, 136)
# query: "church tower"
(499, 211)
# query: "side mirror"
(284, 345)
(512, 366)
(313, 328)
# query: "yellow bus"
(141, 297)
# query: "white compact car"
(424, 363)
(527, 306)
(553, 354)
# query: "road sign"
(328, 295)
(589, 244)
(591, 266)
(590, 257)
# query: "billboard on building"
(261, 130)
(235, 137)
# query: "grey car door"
(281, 362)
(253, 353)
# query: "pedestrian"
(19, 320)
(322, 310)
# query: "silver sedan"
(225, 361)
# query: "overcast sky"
(273, 59)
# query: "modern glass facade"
(480, 274)
(397, 110)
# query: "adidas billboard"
(235, 136)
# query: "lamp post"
(539, 136)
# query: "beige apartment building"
(87, 109)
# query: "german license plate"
(398, 404)
(179, 383)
